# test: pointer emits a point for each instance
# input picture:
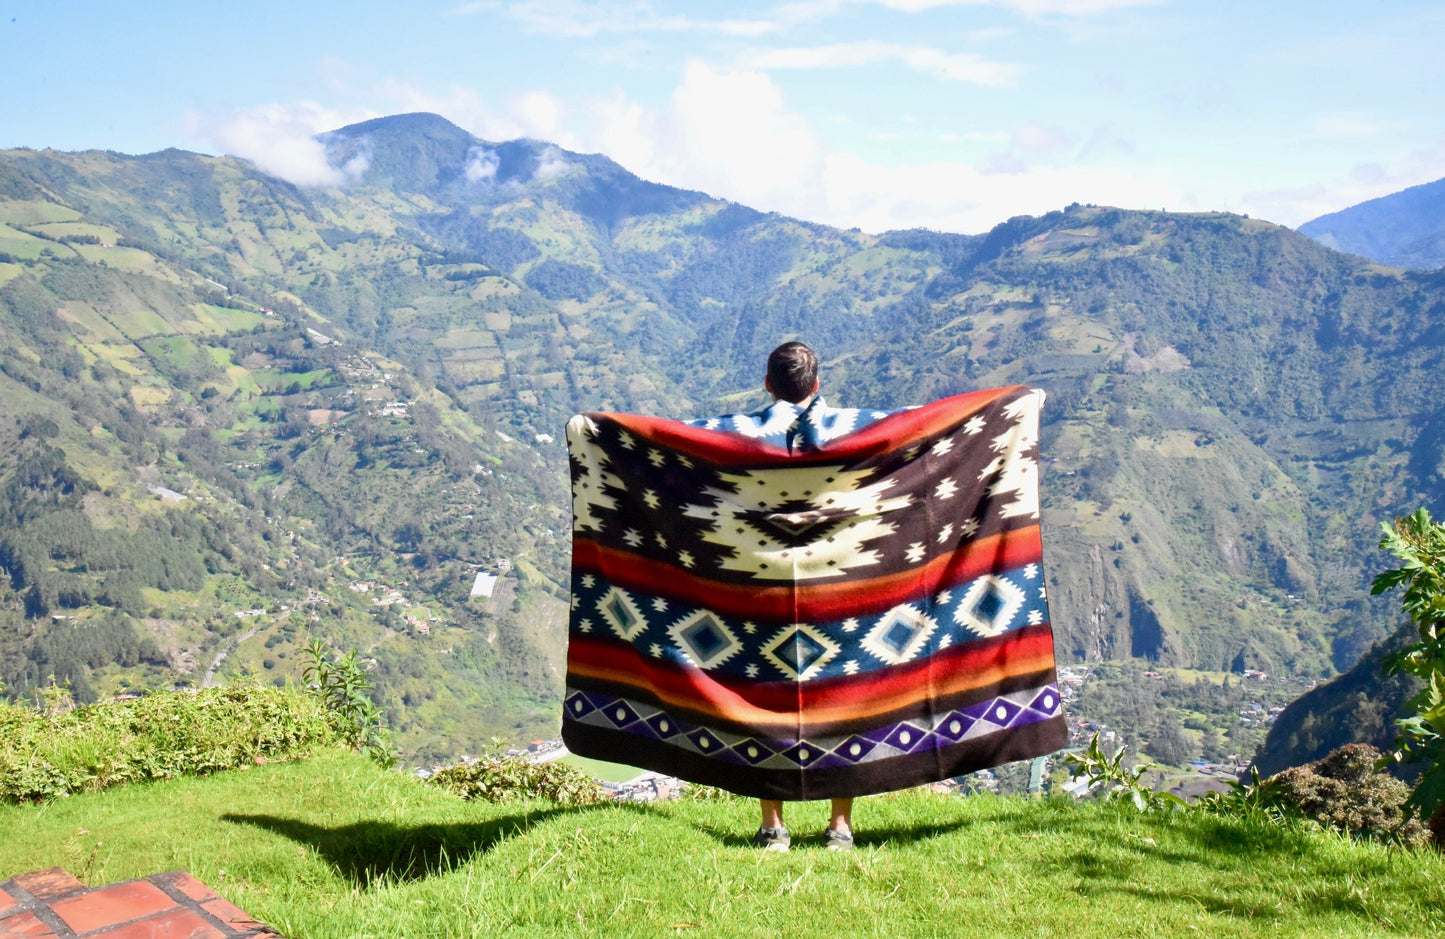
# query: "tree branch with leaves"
(1419, 543)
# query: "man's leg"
(773, 835)
(839, 836)
(842, 819)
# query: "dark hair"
(792, 371)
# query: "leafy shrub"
(1346, 792)
(498, 778)
(695, 792)
(164, 735)
(1124, 784)
(1120, 783)
(344, 689)
(1420, 543)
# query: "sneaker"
(835, 840)
(772, 839)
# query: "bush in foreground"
(1419, 542)
(163, 735)
(1345, 792)
(498, 778)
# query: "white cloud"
(959, 67)
(281, 140)
(550, 164)
(726, 133)
(1348, 125)
(1028, 7)
(1030, 144)
(578, 19)
(482, 165)
(1293, 206)
(809, 10)
(958, 198)
(731, 134)
(473, 6)
(1367, 173)
(538, 113)
(542, 113)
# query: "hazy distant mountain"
(221, 393)
(1405, 229)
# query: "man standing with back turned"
(793, 378)
(807, 602)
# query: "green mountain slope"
(365, 386)
(1359, 706)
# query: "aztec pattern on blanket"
(811, 603)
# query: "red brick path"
(53, 903)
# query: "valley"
(227, 403)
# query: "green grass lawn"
(336, 847)
(600, 769)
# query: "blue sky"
(949, 114)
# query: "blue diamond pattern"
(989, 605)
(704, 638)
(801, 651)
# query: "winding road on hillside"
(226, 650)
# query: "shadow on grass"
(372, 852)
(871, 833)
(1251, 871)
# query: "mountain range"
(1404, 229)
(236, 414)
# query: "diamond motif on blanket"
(1047, 701)
(578, 705)
(663, 725)
(800, 651)
(1000, 711)
(854, 748)
(989, 605)
(797, 523)
(955, 726)
(900, 635)
(906, 737)
(619, 713)
(804, 753)
(621, 613)
(705, 639)
(752, 751)
(705, 742)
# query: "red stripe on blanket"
(894, 432)
(823, 701)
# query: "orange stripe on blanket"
(777, 704)
(811, 603)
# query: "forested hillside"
(235, 413)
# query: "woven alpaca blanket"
(807, 603)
